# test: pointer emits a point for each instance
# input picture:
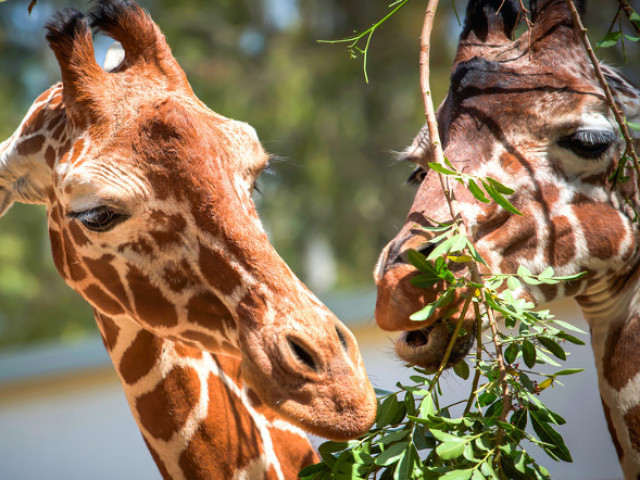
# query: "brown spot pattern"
(217, 271)
(207, 341)
(58, 132)
(140, 246)
(171, 229)
(612, 430)
(110, 331)
(34, 123)
(102, 300)
(179, 276)
(152, 306)
(138, 360)
(214, 450)
(621, 361)
(187, 351)
(57, 251)
(164, 410)
(107, 275)
(76, 270)
(632, 422)
(562, 243)
(601, 233)
(50, 156)
(293, 451)
(31, 145)
(208, 310)
(78, 235)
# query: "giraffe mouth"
(426, 347)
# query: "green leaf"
(449, 450)
(426, 406)
(511, 352)
(442, 248)
(529, 353)
(391, 454)
(311, 470)
(523, 271)
(461, 369)
(513, 283)
(634, 126)
(405, 465)
(553, 347)
(476, 191)
(499, 199)
(500, 187)
(444, 437)
(609, 40)
(477, 475)
(440, 169)
(548, 435)
(568, 326)
(419, 261)
(632, 38)
(390, 412)
(457, 475)
(569, 338)
(394, 436)
(569, 371)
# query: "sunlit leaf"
(609, 40)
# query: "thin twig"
(628, 11)
(582, 31)
(476, 376)
(452, 341)
(438, 156)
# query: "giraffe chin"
(425, 348)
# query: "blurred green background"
(336, 197)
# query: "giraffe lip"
(425, 347)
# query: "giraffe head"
(530, 113)
(148, 194)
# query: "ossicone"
(143, 43)
(491, 21)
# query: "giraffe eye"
(589, 144)
(99, 219)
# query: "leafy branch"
(354, 41)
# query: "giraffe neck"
(613, 314)
(195, 414)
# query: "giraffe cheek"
(603, 229)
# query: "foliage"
(484, 435)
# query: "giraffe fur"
(530, 113)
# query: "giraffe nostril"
(301, 353)
(427, 248)
(343, 340)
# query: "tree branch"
(628, 11)
(582, 31)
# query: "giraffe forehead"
(98, 182)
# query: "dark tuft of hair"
(106, 14)
(483, 16)
(66, 25)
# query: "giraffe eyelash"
(588, 143)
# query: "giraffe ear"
(24, 175)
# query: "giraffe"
(530, 112)
(223, 354)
